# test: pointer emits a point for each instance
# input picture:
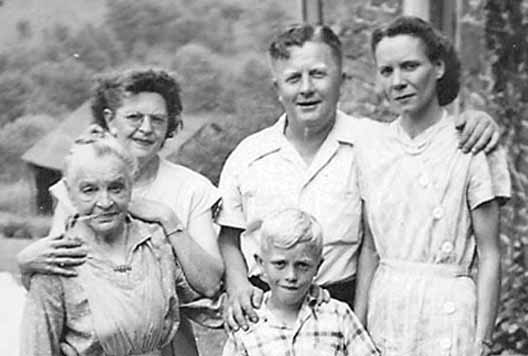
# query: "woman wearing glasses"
(142, 109)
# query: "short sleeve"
(500, 174)
(480, 185)
(357, 340)
(232, 211)
(204, 198)
(43, 317)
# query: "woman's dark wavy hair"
(437, 47)
(111, 88)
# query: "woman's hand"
(156, 212)
(52, 255)
(240, 304)
(478, 131)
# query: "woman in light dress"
(432, 210)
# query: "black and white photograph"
(263, 178)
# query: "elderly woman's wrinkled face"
(100, 187)
(141, 124)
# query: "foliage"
(200, 77)
(15, 139)
(507, 39)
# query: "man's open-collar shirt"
(320, 329)
(265, 173)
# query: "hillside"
(44, 13)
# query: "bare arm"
(242, 295)
(203, 268)
(367, 265)
(486, 227)
(52, 254)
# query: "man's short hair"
(298, 35)
(288, 227)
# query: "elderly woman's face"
(141, 124)
(406, 74)
(100, 187)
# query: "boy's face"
(289, 272)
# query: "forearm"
(486, 228)
(202, 272)
(236, 269)
(488, 291)
(367, 265)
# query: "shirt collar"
(308, 308)
(343, 131)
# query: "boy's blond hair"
(286, 228)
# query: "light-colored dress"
(419, 194)
(188, 193)
(109, 309)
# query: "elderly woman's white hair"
(286, 228)
(101, 143)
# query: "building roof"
(50, 150)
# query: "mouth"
(106, 216)
(308, 105)
(290, 288)
(143, 141)
(403, 98)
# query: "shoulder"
(181, 173)
(253, 146)
(181, 178)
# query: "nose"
(104, 200)
(146, 124)
(306, 85)
(398, 82)
(291, 274)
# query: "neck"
(284, 312)
(147, 171)
(307, 139)
(417, 122)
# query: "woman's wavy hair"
(111, 88)
(437, 47)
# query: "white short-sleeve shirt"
(265, 174)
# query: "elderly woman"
(125, 298)
(142, 109)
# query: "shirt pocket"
(337, 205)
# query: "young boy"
(291, 322)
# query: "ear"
(258, 259)
(108, 116)
(319, 265)
(440, 69)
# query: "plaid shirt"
(320, 330)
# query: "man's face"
(308, 85)
(289, 272)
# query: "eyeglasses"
(137, 119)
